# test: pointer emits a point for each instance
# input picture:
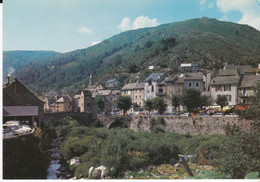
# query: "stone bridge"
(88, 119)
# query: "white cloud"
(249, 9)
(95, 42)
(86, 30)
(139, 22)
(125, 24)
(203, 1)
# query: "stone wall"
(193, 125)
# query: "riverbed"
(57, 166)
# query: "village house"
(21, 104)
(151, 87)
(189, 67)
(246, 88)
(49, 103)
(194, 80)
(226, 83)
(136, 92)
(64, 104)
(113, 83)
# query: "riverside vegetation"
(122, 150)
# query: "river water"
(57, 166)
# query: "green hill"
(126, 56)
(14, 61)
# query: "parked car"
(7, 132)
(154, 113)
(170, 114)
(219, 114)
(185, 114)
(232, 115)
(12, 123)
(203, 114)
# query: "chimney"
(8, 79)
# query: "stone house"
(226, 83)
(246, 88)
(64, 104)
(194, 80)
(136, 92)
(154, 86)
(189, 67)
(113, 83)
(86, 101)
(49, 101)
(19, 103)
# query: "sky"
(67, 25)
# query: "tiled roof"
(249, 81)
(64, 99)
(154, 77)
(194, 76)
(129, 86)
(104, 92)
(139, 85)
(20, 110)
(171, 78)
(232, 66)
(233, 80)
(229, 72)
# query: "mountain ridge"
(208, 42)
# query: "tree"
(176, 101)
(205, 101)
(124, 103)
(240, 154)
(100, 103)
(118, 59)
(132, 68)
(158, 103)
(222, 101)
(148, 105)
(191, 99)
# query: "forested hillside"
(126, 56)
(18, 60)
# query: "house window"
(170, 89)
(227, 88)
(160, 90)
(197, 84)
(136, 97)
(140, 96)
(152, 89)
(139, 103)
(229, 97)
(190, 84)
(219, 88)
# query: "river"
(57, 166)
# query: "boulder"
(103, 171)
(90, 170)
(96, 174)
(74, 161)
